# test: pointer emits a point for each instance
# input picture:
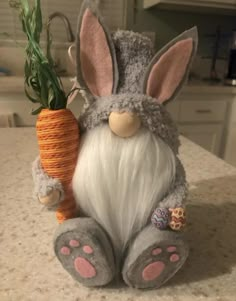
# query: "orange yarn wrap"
(58, 139)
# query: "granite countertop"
(30, 271)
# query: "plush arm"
(47, 190)
(179, 190)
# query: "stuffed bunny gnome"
(128, 172)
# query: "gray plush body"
(154, 116)
(151, 256)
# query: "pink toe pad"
(65, 251)
(153, 270)
(88, 250)
(84, 268)
(156, 251)
(174, 258)
(74, 243)
(171, 249)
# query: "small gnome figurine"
(129, 183)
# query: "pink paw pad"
(74, 243)
(156, 251)
(88, 250)
(84, 268)
(171, 249)
(174, 258)
(65, 251)
(153, 270)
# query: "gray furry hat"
(119, 72)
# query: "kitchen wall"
(165, 23)
(169, 23)
(12, 57)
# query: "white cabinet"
(14, 101)
(20, 106)
(230, 150)
(206, 135)
(202, 121)
(202, 111)
(230, 147)
(201, 117)
(224, 4)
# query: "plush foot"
(153, 258)
(85, 252)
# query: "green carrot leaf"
(31, 98)
(42, 85)
(37, 111)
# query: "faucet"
(70, 37)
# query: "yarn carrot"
(58, 136)
(57, 128)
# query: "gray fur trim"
(179, 190)
(93, 7)
(43, 184)
(134, 53)
(191, 33)
(153, 115)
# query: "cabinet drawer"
(20, 106)
(202, 111)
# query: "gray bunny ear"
(97, 70)
(169, 68)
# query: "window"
(114, 13)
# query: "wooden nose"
(124, 124)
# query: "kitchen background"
(205, 111)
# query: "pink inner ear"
(95, 57)
(167, 74)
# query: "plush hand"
(47, 190)
(175, 218)
(52, 199)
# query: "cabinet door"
(207, 136)
(230, 150)
(173, 108)
(20, 106)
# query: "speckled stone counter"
(30, 271)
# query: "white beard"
(120, 181)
